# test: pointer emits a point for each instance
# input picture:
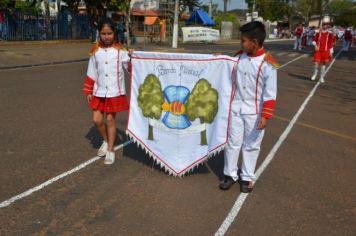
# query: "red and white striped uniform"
(325, 41)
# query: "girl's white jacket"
(105, 75)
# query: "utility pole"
(175, 25)
(144, 26)
(210, 7)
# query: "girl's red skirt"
(322, 57)
(109, 105)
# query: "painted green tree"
(202, 104)
(150, 100)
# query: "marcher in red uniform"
(324, 47)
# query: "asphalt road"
(308, 189)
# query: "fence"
(65, 25)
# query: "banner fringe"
(165, 167)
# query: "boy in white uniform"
(252, 106)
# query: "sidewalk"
(27, 53)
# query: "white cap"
(326, 20)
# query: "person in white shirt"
(310, 35)
(253, 105)
(104, 85)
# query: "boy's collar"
(260, 52)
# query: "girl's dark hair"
(110, 23)
(107, 22)
(254, 30)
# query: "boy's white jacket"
(105, 74)
(255, 84)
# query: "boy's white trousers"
(243, 136)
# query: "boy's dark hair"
(254, 30)
(107, 22)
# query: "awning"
(150, 20)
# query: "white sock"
(322, 72)
(316, 67)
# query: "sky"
(234, 4)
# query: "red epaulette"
(118, 46)
(269, 59)
(94, 49)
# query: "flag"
(179, 107)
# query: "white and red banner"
(198, 33)
(180, 106)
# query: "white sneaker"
(322, 80)
(313, 77)
(103, 149)
(109, 158)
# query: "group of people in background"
(304, 36)
(323, 40)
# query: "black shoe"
(246, 186)
(228, 182)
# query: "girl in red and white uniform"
(323, 42)
(104, 86)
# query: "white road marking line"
(242, 197)
(292, 54)
(281, 53)
(58, 177)
(295, 59)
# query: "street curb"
(43, 64)
(277, 40)
(38, 42)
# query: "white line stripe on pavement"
(58, 177)
(242, 197)
(281, 53)
(292, 54)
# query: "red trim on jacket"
(257, 78)
(88, 85)
(268, 109)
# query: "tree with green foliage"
(202, 104)
(150, 100)
(230, 17)
(214, 9)
(344, 12)
(273, 10)
(4, 3)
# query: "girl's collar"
(260, 52)
(115, 45)
(102, 45)
(112, 45)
